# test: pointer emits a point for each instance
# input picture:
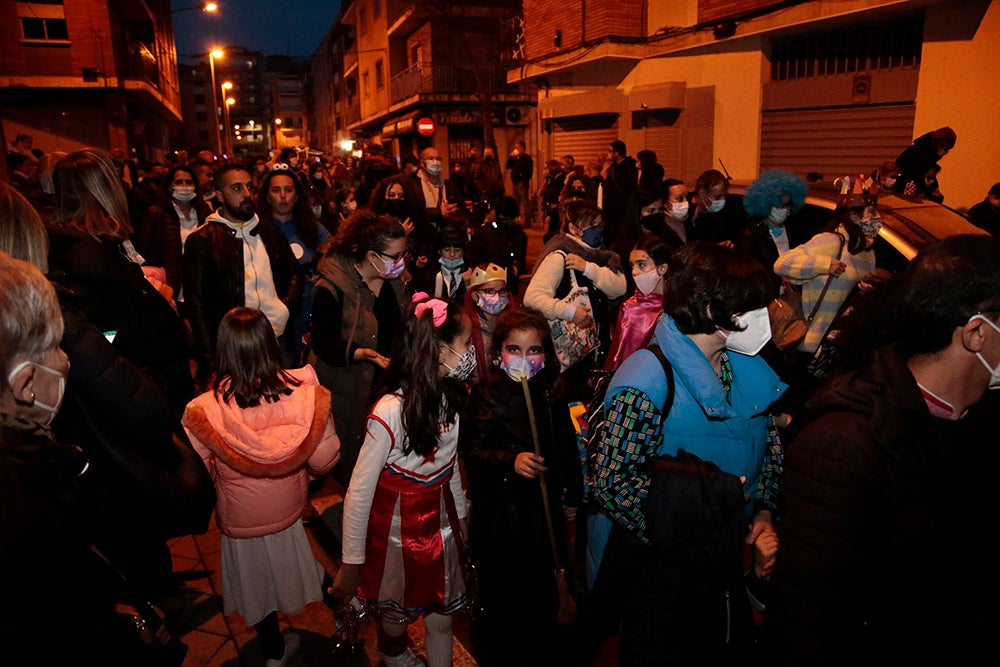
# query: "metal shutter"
(835, 141)
(584, 137)
(665, 141)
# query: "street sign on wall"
(426, 126)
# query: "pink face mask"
(517, 366)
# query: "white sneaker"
(404, 659)
(292, 642)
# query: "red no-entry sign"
(426, 126)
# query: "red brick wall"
(579, 21)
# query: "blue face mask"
(452, 264)
(592, 236)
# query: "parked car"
(909, 224)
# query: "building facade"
(76, 73)
(742, 85)
(268, 108)
(419, 73)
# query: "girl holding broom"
(519, 591)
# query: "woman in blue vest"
(678, 527)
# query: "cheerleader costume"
(401, 518)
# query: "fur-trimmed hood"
(271, 440)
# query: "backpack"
(596, 424)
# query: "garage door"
(665, 141)
(835, 141)
(584, 137)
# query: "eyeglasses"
(489, 291)
(391, 257)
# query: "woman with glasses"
(357, 305)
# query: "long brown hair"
(414, 370)
(247, 362)
(90, 196)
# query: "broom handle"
(541, 475)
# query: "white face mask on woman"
(647, 282)
(755, 334)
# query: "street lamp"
(229, 143)
(226, 86)
(212, 56)
(277, 133)
(207, 7)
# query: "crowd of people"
(213, 336)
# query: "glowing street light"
(207, 7)
(213, 55)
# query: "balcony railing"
(353, 113)
(143, 64)
(433, 78)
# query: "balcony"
(353, 114)
(441, 79)
(143, 65)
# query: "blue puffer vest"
(733, 435)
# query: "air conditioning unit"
(516, 115)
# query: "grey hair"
(22, 232)
(31, 323)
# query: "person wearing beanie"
(916, 161)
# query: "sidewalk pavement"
(216, 640)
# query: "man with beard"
(236, 259)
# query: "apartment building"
(77, 73)
(830, 87)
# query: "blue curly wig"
(770, 188)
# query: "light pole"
(229, 137)
(207, 7)
(277, 133)
(212, 55)
(226, 101)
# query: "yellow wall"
(735, 80)
(960, 87)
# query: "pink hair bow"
(438, 308)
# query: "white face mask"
(350, 206)
(994, 370)
(756, 332)
(779, 215)
(679, 210)
(184, 193)
(647, 282)
(889, 182)
(51, 409)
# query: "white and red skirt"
(413, 560)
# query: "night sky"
(274, 27)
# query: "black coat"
(113, 295)
(887, 511)
(158, 238)
(213, 277)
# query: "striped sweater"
(809, 265)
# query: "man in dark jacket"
(889, 489)
(236, 259)
(923, 155)
(521, 166)
(621, 183)
(986, 214)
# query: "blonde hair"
(22, 232)
(90, 196)
(46, 166)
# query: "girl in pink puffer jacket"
(264, 433)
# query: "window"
(199, 98)
(379, 78)
(43, 20)
(203, 135)
(202, 116)
(365, 92)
